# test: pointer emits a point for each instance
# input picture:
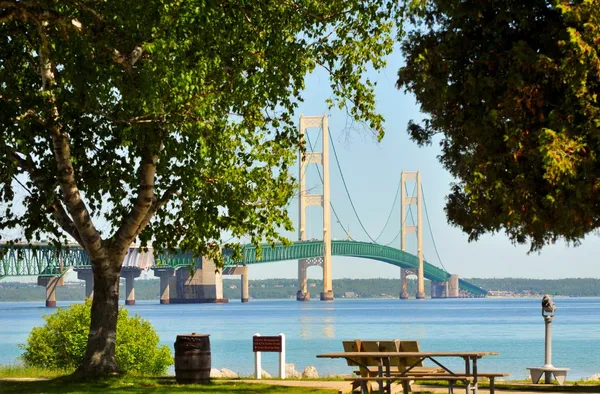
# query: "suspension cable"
(346, 187)
(391, 211)
(409, 210)
(311, 148)
(395, 238)
(431, 231)
(411, 214)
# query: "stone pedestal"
(559, 373)
(51, 282)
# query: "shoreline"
(238, 300)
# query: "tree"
(512, 88)
(171, 121)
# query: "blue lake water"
(512, 327)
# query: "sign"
(266, 344)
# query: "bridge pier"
(130, 273)
(204, 284)
(452, 289)
(243, 272)
(87, 275)
(245, 292)
(302, 294)
(51, 282)
(403, 284)
(438, 289)
(166, 275)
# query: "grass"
(20, 371)
(55, 382)
(129, 384)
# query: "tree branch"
(30, 113)
(135, 120)
(88, 235)
(65, 222)
(56, 208)
(128, 61)
(156, 205)
(131, 223)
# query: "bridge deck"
(44, 260)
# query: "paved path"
(344, 387)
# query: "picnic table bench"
(412, 370)
(451, 379)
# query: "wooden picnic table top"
(405, 354)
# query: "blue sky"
(372, 172)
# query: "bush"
(61, 343)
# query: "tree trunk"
(99, 357)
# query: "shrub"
(61, 342)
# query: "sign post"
(268, 344)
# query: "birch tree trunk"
(99, 357)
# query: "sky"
(372, 173)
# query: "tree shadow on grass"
(146, 385)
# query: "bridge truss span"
(40, 259)
(44, 260)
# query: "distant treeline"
(576, 287)
(286, 288)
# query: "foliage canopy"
(178, 116)
(512, 87)
(172, 120)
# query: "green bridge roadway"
(43, 260)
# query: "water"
(512, 327)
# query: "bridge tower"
(305, 200)
(418, 230)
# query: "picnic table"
(385, 377)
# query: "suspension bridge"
(204, 284)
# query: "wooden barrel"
(192, 358)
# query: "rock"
(594, 377)
(215, 373)
(310, 372)
(291, 373)
(266, 375)
(228, 373)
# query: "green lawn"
(148, 385)
(21, 371)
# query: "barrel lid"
(192, 335)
